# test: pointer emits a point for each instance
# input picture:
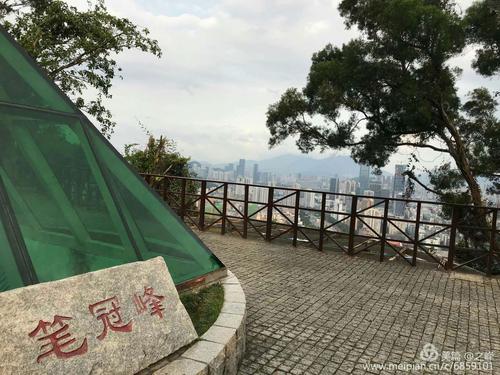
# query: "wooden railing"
(412, 230)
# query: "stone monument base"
(115, 321)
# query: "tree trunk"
(474, 188)
(458, 151)
(476, 217)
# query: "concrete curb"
(220, 350)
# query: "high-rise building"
(217, 174)
(259, 194)
(399, 180)
(265, 177)
(368, 193)
(255, 175)
(376, 187)
(229, 167)
(348, 186)
(398, 190)
(387, 182)
(307, 199)
(385, 193)
(399, 206)
(240, 169)
(364, 177)
(334, 185)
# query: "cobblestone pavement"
(325, 313)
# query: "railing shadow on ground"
(415, 231)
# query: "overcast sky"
(224, 62)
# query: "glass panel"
(20, 82)
(10, 277)
(156, 229)
(67, 216)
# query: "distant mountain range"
(340, 165)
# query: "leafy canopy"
(159, 156)
(77, 48)
(482, 20)
(396, 86)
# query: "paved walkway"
(325, 313)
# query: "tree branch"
(423, 145)
(80, 59)
(412, 176)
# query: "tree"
(77, 48)
(158, 157)
(482, 20)
(395, 86)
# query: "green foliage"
(446, 180)
(483, 23)
(396, 86)
(481, 130)
(77, 48)
(204, 306)
(158, 157)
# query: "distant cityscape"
(367, 184)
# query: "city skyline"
(365, 183)
(318, 193)
(389, 184)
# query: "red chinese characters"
(149, 301)
(108, 312)
(57, 339)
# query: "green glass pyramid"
(69, 203)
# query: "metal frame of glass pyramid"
(69, 203)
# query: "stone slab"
(210, 353)
(118, 320)
(229, 320)
(222, 335)
(233, 308)
(183, 366)
(234, 297)
(231, 280)
(234, 288)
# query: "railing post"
(352, 226)
(493, 239)
(384, 230)
(453, 235)
(322, 221)
(224, 210)
(296, 217)
(183, 199)
(417, 229)
(245, 212)
(164, 189)
(269, 224)
(203, 193)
